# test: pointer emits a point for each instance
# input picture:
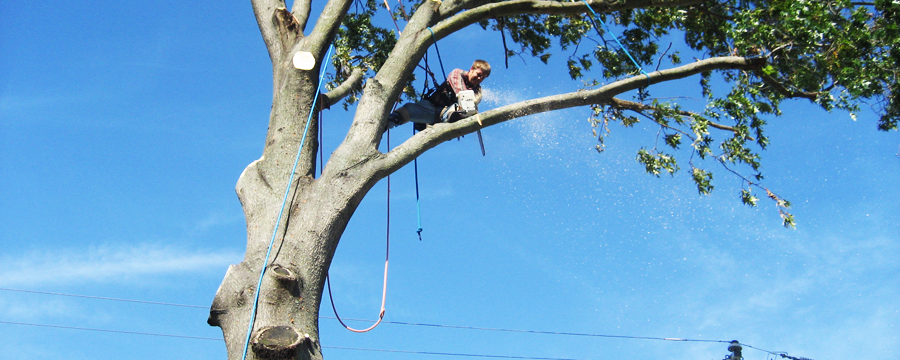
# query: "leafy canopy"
(837, 54)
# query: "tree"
(836, 54)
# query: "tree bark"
(317, 211)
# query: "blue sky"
(124, 127)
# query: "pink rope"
(387, 255)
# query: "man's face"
(476, 76)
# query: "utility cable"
(782, 354)
(110, 331)
(775, 353)
(104, 298)
(543, 332)
(450, 354)
(324, 346)
(412, 323)
(539, 332)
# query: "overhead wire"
(421, 324)
(110, 331)
(451, 354)
(542, 332)
(104, 298)
(461, 327)
(324, 346)
(773, 353)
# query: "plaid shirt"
(459, 84)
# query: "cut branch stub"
(276, 342)
(285, 277)
(288, 27)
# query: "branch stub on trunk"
(276, 342)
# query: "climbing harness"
(265, 264)
(616, 38)
(444, 72)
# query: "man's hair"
(483, 65)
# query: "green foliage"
(747, 198)
(837, 54)
(361, 45)
(673, 140)
(703, 179)
(656, 162)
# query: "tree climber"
(455, 99)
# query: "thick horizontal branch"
(483, 10)
(431, 137)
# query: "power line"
(109, 331)
(449, 354)
(778, 353)
(782, 354)
(324, 347)
(104, 298)
(538, 331)
(405, 323)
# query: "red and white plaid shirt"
(458, 83)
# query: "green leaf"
(703, 179)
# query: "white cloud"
(108, 263)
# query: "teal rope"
(438, 53)
(283, 202)
(616, 39)
(418, 207)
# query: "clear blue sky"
(124, 127)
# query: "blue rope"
(283, 202)
(438, 53)
(615, 38)
(418, 207)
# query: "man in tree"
(443, 104)
(837, 54)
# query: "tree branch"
(479, 10)
(352, 83)
(431, 137)
(381, 91)
(781, 89)
(301, 9)
(263, 9)
(638, 107)
(327, 26)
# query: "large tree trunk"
(315, 215)
(317, 210)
